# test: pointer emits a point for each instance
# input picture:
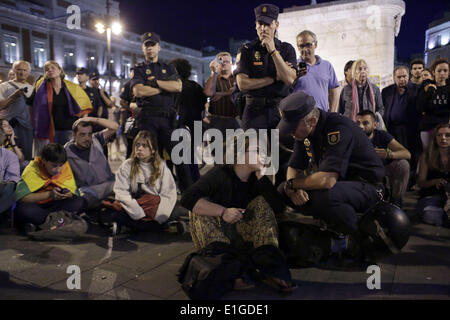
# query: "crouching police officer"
(265, 70)
(345, 172)
(155, 85)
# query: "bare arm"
(107, 101)
(141, 91)
(210, 85)
(317, 181)
(245, 83)
(422, 181)
(111, 126)
(5, 103)
(333, 99)
(170, 86)
(204, 207)
(398, 150)
(285, 73)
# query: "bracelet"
(13, 145)
(273, 52)
(389, 154)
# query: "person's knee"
(75, 205)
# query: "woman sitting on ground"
(433, 177)
(145, 190)
(236, 205)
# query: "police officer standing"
(345, 174)
(155, 84)
(265, 70)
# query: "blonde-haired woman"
(434, 177)
(361, 94)
(57, 104)
(145, 189)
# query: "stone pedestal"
(349, 30)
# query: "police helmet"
(387, 226)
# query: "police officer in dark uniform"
(102, 103)
(343, 173)
(83, 77)
(265, 70)
(128, 113)
(155, 85)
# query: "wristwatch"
(290, 184)
(153, 83)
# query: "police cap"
(292, 109)
(82, 70)
(266, 13)
(94, 76)
(150, 37)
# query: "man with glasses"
(316, 76)
(265, 70)
(219, 87)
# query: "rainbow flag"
(36, 179)
(78, 104)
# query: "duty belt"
(156, 112)
(260, 104)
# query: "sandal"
(276, 284)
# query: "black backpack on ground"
(211, 272)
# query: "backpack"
(60, 226)
(210, 272)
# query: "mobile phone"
(302, 65)
(65, 190)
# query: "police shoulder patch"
(334, 137)
(131, 74)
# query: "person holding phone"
(14, 108)
(47, 185)
(316, 76)
(222, 111)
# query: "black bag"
(60, 226)
(211, 272)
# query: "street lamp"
(111, 27)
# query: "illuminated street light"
(116, 28)
(111, 27)
(100, 27)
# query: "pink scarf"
(355, 99)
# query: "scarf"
(35, 178)
(355, 100)
(78, 104)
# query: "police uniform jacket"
(254, 61)
(339, 145)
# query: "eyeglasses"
(308, 45)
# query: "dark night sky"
(201, 23)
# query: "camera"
(220, 61)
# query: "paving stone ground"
(144, 267)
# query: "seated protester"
(9, 176)
(394, 156)
(47, 185)
(145, 190)
(236, 205)
(86, 158)
(8, 140)
(434, 177)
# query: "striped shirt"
(224, 107)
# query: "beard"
(368, 133)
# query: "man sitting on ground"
(47, 185)
(394, 155)
(87, 160)
(9, 176)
